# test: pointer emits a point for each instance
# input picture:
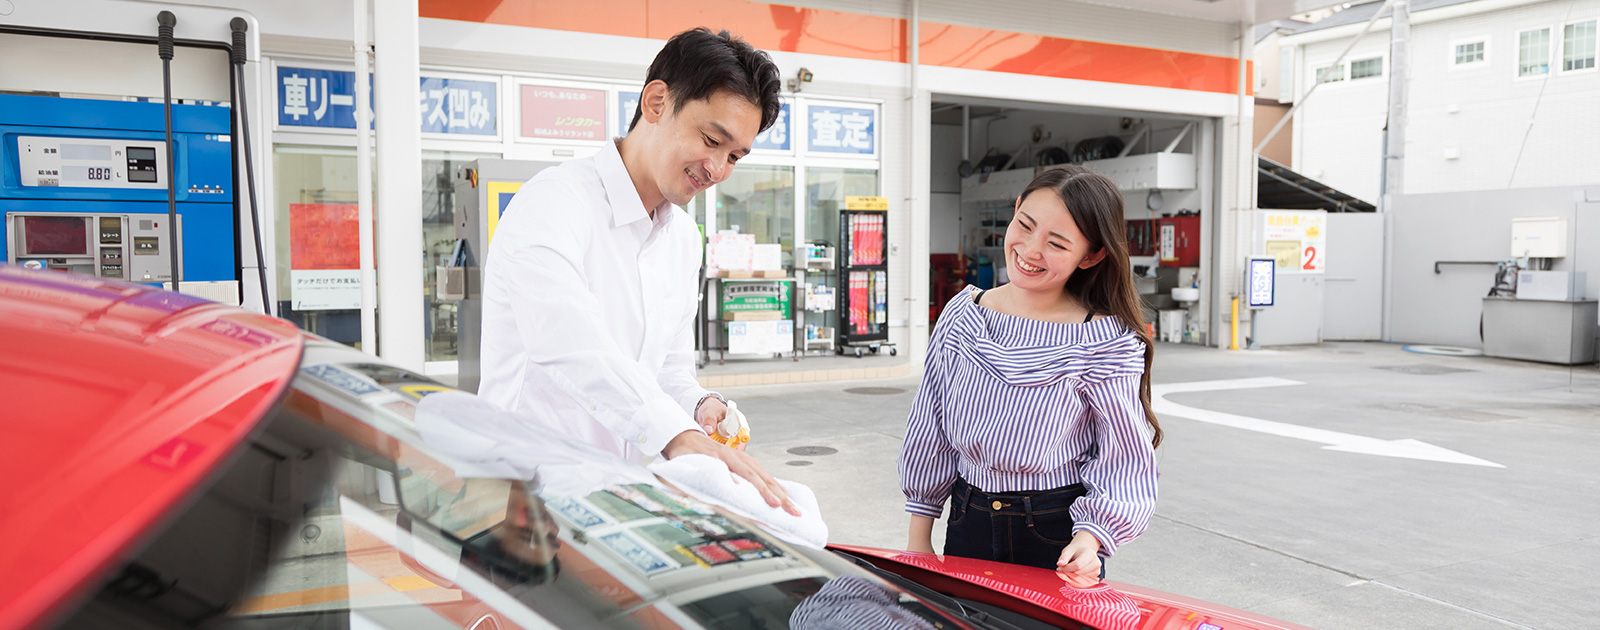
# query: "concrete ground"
(1267, 520)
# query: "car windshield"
(339, 513)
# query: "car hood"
(1040, 593)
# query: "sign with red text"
(563, 113)
(1297, 239)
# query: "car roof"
(120, 398)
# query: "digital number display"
(87, 174)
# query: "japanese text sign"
(457, 106)
(316, 98)
(563, 113)
(778, 136)
(848, 130)
(627, 102)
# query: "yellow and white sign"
(1298, 239)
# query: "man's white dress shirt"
(588, 314)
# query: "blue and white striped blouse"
(1014, 404)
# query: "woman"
(1034, 413)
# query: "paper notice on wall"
(730, 251)
(1297, 238)
(760, 337)
(324, 257)
(768, 257)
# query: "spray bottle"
(734, 428)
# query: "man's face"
(697, 146)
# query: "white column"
(361, 43)
(917, 206)
(399, 209)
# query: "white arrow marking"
(1335, 441)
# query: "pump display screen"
(141, 164)
(59, 236)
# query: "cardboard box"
(771, 273)
(736, 273)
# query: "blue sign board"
(316, 98)
(627, 102)
(1260, 278)
(308, 97)
(848, 130)
(458, 106)
(777, 137)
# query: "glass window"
(1330, 74)
(438, 241)
(1366, 68)
(826, 189)
(1533, 52)
(1469, 53)
(1578, 46)
(759, 200)
(317, 240)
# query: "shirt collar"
(624, 197)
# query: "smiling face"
(1044, 245)
(697, 145)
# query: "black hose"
(165, 21)
(237, 55)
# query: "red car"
(175, 463)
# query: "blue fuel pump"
(84, 188)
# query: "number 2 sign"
(1309, 260)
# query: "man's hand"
(711, 413)
(694, 442)
(1080, 561)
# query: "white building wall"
(1481, 115)
(1494, 110)
(1339, 131)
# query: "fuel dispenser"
(483, 189)
(84, 189)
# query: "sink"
(1185, 294)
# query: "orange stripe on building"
(859, 36)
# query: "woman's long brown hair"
(1095, 204)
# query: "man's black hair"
(696, 63)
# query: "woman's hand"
(920, 536)
(1080, 561)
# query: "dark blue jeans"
(1028, 528)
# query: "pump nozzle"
(165, 21)
(239, 26)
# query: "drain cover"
(812, 451)
(875, 391)
(799, 462)
(1423, 369)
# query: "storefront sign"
(324, 256)
(563, 113)
(627, 102)
(457, 106)
(308, 97)
(847, 130)
(777, 137)
(316, 98)
(1296, 238)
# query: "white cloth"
(708, 479)
(589, 307)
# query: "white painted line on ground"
(1334, 440)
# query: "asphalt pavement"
(1338, 486)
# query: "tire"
(893, 352)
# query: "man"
(591, 283)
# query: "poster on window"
(1297, 239)
(563, 113)
(324, 257)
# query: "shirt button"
(641, 439)
(591, 406)
(996, 505)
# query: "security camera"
(804, 76)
